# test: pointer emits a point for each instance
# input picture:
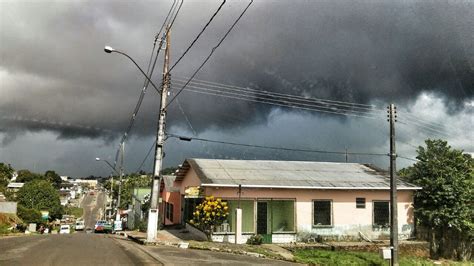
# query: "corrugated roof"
(289, 174)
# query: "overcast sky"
(63, 101)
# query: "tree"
(210, 213)
(6, 173)
(128, 183)
(445, 204)
(29, 215)
(25, 176)
(53, 178)
(40, 195)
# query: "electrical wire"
(226, 86)
(312, 108)
(199, 35)
(286, 100)
(274, 147)
(149, 74)
(146, 157)
(210, 54)
(407, 158)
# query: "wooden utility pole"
(153, 213)
(392, 110)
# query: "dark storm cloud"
(53, 68)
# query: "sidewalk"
(176, 238)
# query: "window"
(381, 214)
(360, 203)
(283, 215)
(322, 213)
(169, 211)
(247, 207)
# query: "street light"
(117, 215)
(110, 50)
(153, 213)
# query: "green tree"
(6, 173)
(25, 176)
(40, 195)
(128, 183)
(445, 204)
(29, 215)
(53, 178)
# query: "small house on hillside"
(286, 200)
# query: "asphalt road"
(93, 206)
(73, 249)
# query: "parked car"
(102, 226)
(65, 229)
(80, 225)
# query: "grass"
(76, 211)
(325, 257)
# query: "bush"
(29, 215)
(255, 240)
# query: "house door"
(262, 221)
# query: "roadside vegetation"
(327, 257)
(39, 193)
(76, 211)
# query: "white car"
(65, 229)
(80, 225)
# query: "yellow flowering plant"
(210, 213)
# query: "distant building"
(64, 177)
(285, 201)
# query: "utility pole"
(392, 110)
(122, 150)
(111, 195)
(153, 213)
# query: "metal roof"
(289, 174)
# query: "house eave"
(308, 187)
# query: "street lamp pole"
(112, 184)
(153, 213)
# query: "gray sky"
(64, 101)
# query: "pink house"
(286, 201)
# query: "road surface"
(93, 206)
(73, 249)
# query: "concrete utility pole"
(392, 110)
(153, 213)
(122, 150)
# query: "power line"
(146, 157)
(226, 86)
(274, 147)
(407, 158)
(199, 35)
(286, 100)
(211, 53)
(313, 108)
(149, 74)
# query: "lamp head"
(97, 159)
(108, 49)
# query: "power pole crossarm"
(392, 111)
(153, 214)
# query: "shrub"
(29, 215)
(210, 213)
(255, 240)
